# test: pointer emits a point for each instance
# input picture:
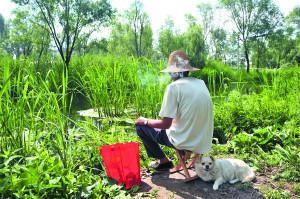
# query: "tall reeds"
(32, 119)
(113, 86)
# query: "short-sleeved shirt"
(188, 102)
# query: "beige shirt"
(188, 102)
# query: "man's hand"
(140, 121)
(163, 123)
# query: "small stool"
(182, 165)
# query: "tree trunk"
(247, 60)
(40, 55)
(140, 42)
(258, 50)
(246, 52)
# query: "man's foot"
(162, 166)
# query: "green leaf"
(11, 158)
(55, 180)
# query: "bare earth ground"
(165, 185)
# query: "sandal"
(162, 167)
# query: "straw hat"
(178, 62)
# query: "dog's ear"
(212, 158)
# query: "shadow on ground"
(165, 185)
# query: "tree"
(293, 21)
(282, 46)
(207, 16)
(169, 39)
(97, 46)
(194, 44)
(253, 19)
(138, 20)
(122, 40)
(259, 55)
(82, 42)
(4, 33)
(293, 27)
(21, 34)
(131, 33)
(66, 20)
(233, 50)
(41, 37)
(218, 37)
(2, 26)
(147, 41)
(28, 35)
(191, 41)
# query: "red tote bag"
(122, 163)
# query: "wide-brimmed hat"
(178, 62)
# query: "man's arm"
(163, 123)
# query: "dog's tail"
(249, 177)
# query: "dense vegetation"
(48, 151)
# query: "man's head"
(178, 65)
(178, 75)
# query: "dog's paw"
(215, 187)
(233, 181)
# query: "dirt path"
(165, 185)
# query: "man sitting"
(186, 115)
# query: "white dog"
(223, 170)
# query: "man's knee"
(140, 131)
